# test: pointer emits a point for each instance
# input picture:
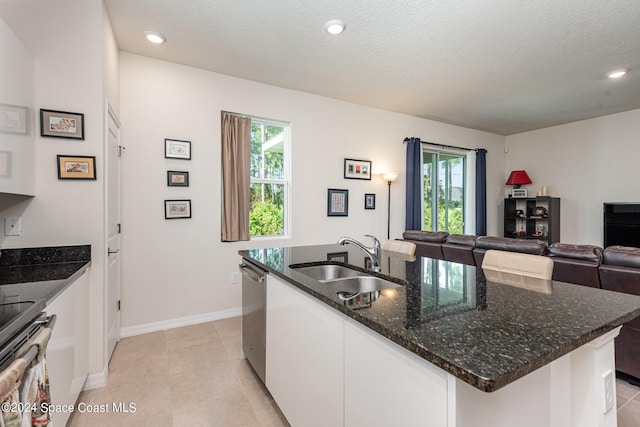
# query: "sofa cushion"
(462, 239)
(425, 236)
(533, 247)
(624, 256)
(581, 252)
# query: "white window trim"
(286, 181)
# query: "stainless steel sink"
(362, 284)
(328, 272)
(346, 280)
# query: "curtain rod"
(442, 145)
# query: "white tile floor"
(194, 376)
(191, 376)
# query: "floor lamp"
(389, 177)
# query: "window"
(269, 189)
(443, 191)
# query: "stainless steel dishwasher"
(254, 315)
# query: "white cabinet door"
(386, 385)
(68, 350)
(304, 358)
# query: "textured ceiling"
(502, 66)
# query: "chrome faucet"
(373, 253)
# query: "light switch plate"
(235, 277)
(12, 226)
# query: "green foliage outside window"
(265, 219)
(455, 218)
(266, 197)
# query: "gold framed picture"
(76, 167)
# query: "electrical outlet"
(607, 378)
(12, 226)
(235, 277)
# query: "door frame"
(109, 114)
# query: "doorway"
(113, 182)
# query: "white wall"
(586, 164)
(179, 268)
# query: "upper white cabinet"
(17, 117)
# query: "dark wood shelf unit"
(528, 224)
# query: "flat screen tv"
(622, 224)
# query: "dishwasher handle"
(255, 274)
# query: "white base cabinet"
(68, 350)
(325, 369)
(304, 358)
(386, 385)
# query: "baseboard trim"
(96, 380)
(131, 331)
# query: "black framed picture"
(76, 167)
(177, 149)
(338, 257)
(369, 201)
(357, 169)
(177, 179)
(61, 124)
(337, 202)
(174, 209)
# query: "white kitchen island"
(480, 356)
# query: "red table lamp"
(517, 178)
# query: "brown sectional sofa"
(616, 268)
(620, 272)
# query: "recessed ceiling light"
(155, 37)
(617, 74)
(335, 27)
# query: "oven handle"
(33, 350)
(48, 322)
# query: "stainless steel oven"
(254, 315)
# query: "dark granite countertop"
(31, 278)
(484, 333)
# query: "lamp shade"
(390, 176)
(518, 178)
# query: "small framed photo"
(177, 149)
(338, 257)
(177, 179)
(357, 169)
(14, 119)
(369, 201)
(76, 167)
(61, 124)
(174, 209)
(338, 202)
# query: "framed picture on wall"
(177, 149)
(338, 202)
(177, 179)
(14, 119)
(61, 124)
(338, 257)
(369, 201)
(357, 169)
(174, 209)
(76, 167)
